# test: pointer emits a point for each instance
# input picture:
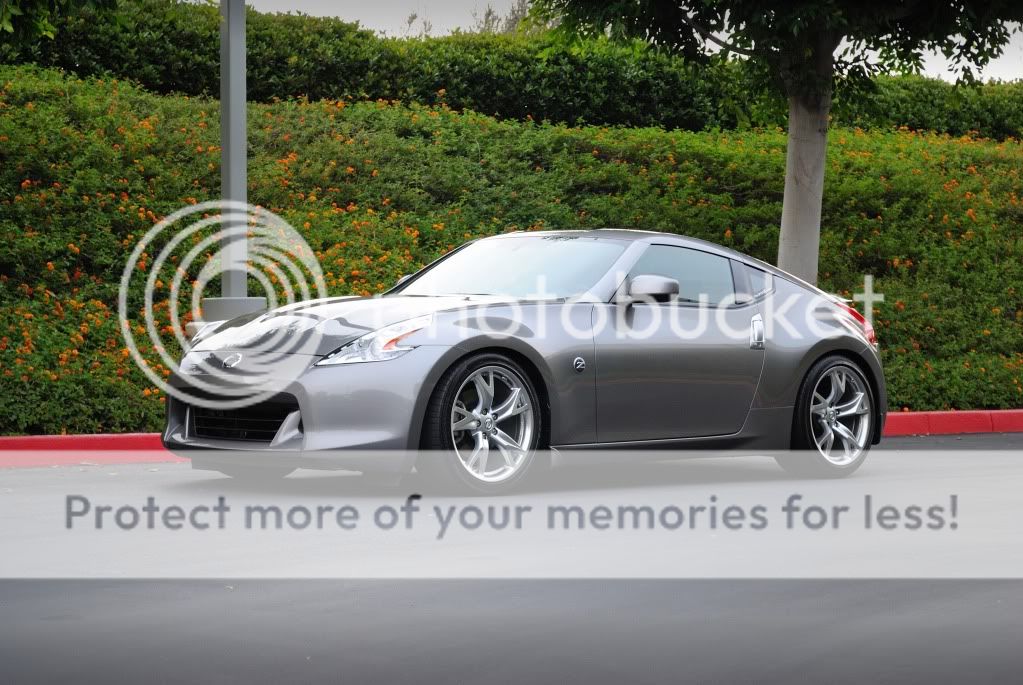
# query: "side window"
(698, 273)
(760, 281)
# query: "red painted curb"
(26, 451)
(954, 422)
(101, 441)
(910, 423)
(1007, 421)
(34, 459)
(36, 451)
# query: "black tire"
(806, 460)
(439, 464)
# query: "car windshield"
(528, 267)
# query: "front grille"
(257, 423)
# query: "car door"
(688, 367)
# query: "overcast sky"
(389, 16)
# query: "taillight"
(868, 329)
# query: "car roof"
(635, 235)
(608, 233)
(638, 235)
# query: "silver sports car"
(513, 348)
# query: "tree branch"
(902, 12)
(708, 35)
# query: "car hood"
(319, 327)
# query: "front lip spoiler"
(366, 460)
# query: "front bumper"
(362, 416)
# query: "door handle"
(756, 333)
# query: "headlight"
(205, 331)
(379, 345)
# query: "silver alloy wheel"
(492, 416)
(840, 413)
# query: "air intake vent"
(257, 423)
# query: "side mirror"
(652, 288)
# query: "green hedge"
(377, 189)
(994, 110)
(173, 46)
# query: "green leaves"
(27, 21)
(379, 189)
(170, 46)
(797, 41)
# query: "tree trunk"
(800, 237)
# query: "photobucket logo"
(789, 313)
(249, 362)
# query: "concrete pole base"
(224, 308)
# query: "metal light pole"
(233, 172)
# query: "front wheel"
(482, 427)
(833, 423)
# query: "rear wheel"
(482, 427)
(833, 422)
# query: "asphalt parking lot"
(512, 631)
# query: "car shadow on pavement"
(693, 473)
